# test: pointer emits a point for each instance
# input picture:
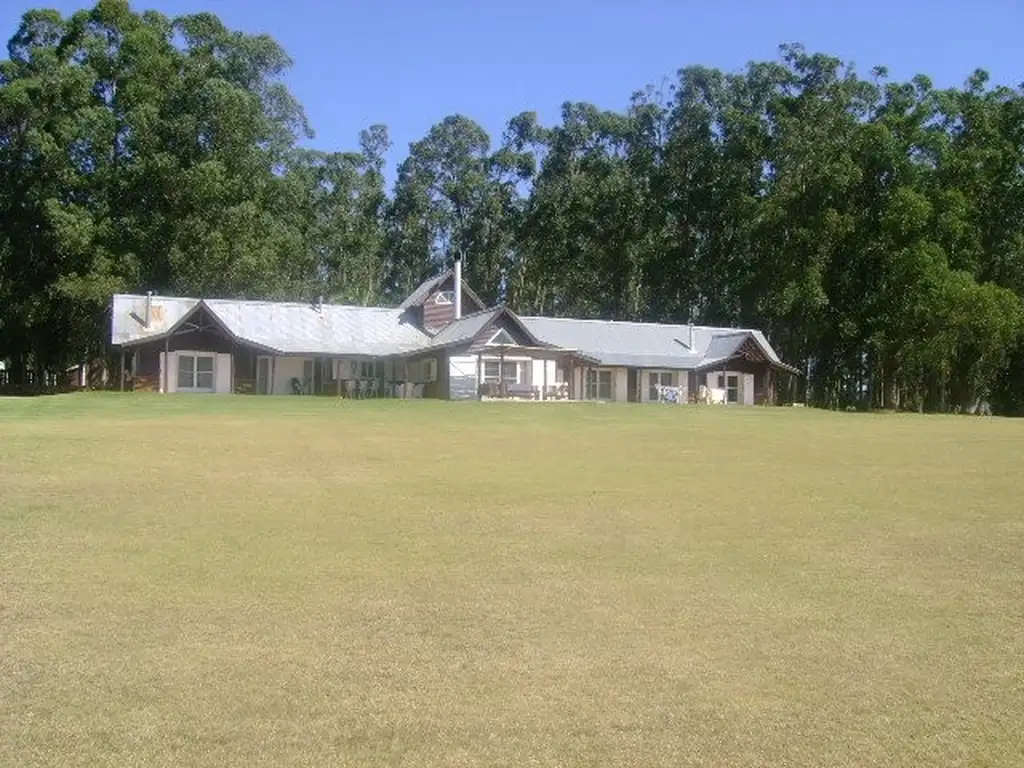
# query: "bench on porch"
(502, 389)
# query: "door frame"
(265, 389)
(634, 385)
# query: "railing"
(498, 390)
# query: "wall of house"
(285, 369)
(222, 371)
(501, 324)
(435, 316)
(754, 379)
(538, 374)
(750, 384)
(620, 385)
(620, 382)
(679, 378)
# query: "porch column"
(544, 380)
(336, 369)
(122, 369)
(405, 379)
(273, 373)
(479, 376)
(167, 364)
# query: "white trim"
(518, 362)
(196, 356)
(725, 385)
(511, 342)
(598, 372)
(657, 387)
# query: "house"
(430, 347)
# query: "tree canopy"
(873, 229)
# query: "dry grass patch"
(285, 581)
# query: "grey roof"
(465, 328)
(333, 329)
(725, 345)
(423, 290)
(644, 345)
(129, 312)
(287, 328)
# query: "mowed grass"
(298, 581)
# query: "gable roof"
(334, 329)
(283, 327)
(465, 328)
(424, 289)
(468, 327)
(647, 345)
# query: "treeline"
(874, 229)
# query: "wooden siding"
(478, 344)
(148, 354)
(435, 316)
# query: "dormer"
(432, 305)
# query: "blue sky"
(408, 63)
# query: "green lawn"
(304, 581)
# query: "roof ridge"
(727, 329)
(253, 302)
(471, 314)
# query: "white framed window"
(656, 379)
(367, 369)
(446, 298)
(599, 384)
(502, 338)
(196, 371)
(430, 369)
(730, 382)
(508, 371)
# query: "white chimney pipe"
(691, 335)
(458, 288)
(149, 307)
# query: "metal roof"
(288, 328)
(423, 290)
(333, 329)
(645, 345)
(465, 328)
(127, 322)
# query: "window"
(599, 384)
(656, 379)
(507, 371)
(430, 369)
(444, 297)
(195, 371)
(731, 384)
(367, 369)
(502, 338)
